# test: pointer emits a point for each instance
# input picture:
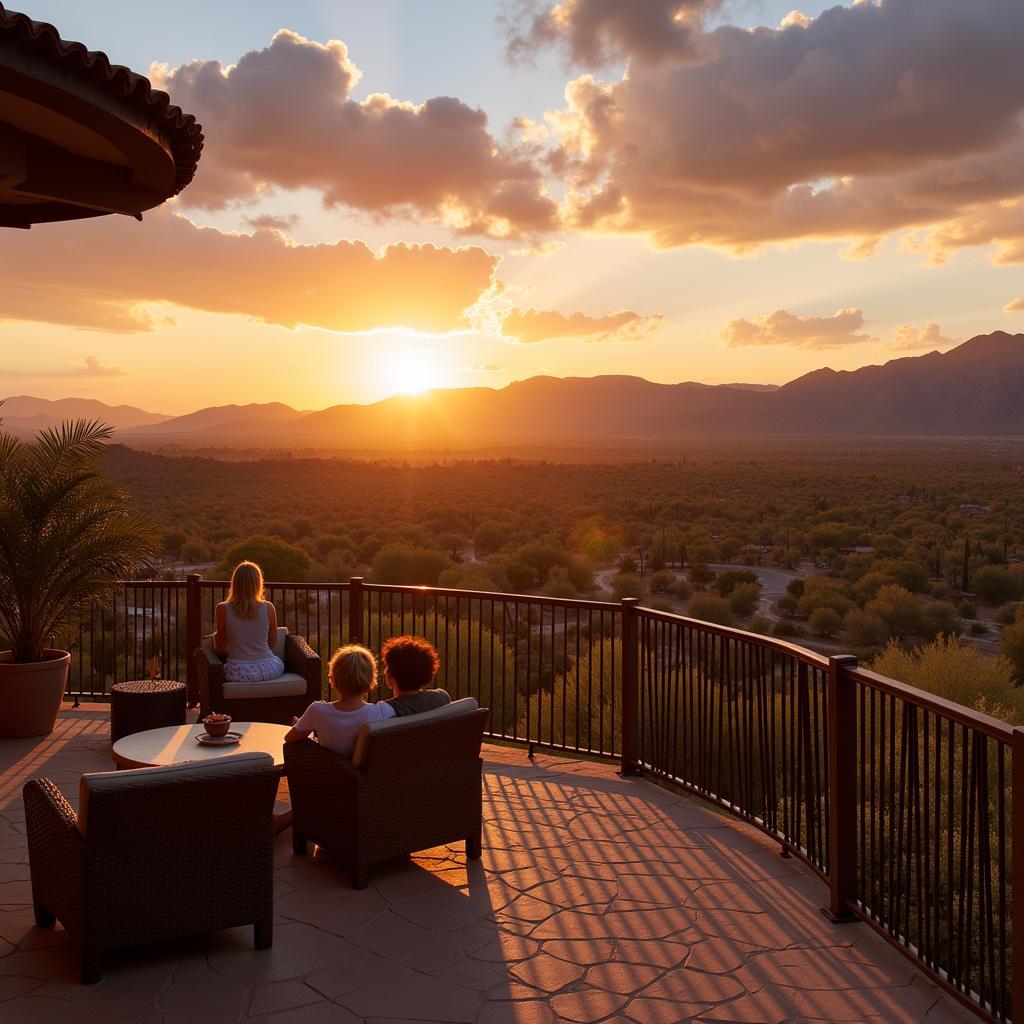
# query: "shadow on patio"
(597, 898)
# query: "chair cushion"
(289, 684)
(109, 782)
(282, 635)
(457, 707)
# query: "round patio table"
(178, 744)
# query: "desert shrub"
(996, 585)
(951, 669)
(661, 582)
(398, 563)
(728, 580)
(1006, 615)
(901, 611)
(967, 610)
(626, 584)
(941, 619)
(280, 561)
(682, 590)
(787, 629)
(1013, 648)
(868, 586)
(825, 621)
(490, 536)
(978, 629)
(861, 629)
(743, 599)
(710, 608)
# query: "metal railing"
(901, 801)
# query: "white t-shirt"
(338, 729)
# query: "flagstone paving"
(597, 899)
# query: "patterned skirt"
(253, 671)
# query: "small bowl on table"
(217, 724)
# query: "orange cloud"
(95, 274)
(283, 117)
(868, 119)
(809, 332)
(908, 338)
(92, 367)
(595, 32)
(532, 325)
(1014, 306)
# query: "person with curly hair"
(410, 666)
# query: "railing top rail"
(770, 642)
(489, 595)
(959, 713)
(154, 584)
(308, 585)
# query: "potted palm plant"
(66, 538)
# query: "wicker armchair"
(414, 783)
(155, 853)
(301, 664)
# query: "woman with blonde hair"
(247, 628)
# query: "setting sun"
(410, 373)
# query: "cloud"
(484, 368)
(595, 32)
(1014, 306)
(97, 273)
(908, 338)
(869, 119)
(844, 327)
(92, 367)
(532, 325)
(272, 222)
(998, 223)
(95, 367)
(283, 117)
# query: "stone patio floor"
(597, 899)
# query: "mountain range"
(976, 388)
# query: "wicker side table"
(140, 704)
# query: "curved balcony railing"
(901, 801)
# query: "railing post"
(193, 634)
(355, 610)
(1017, 882)
(842, 790)
(630, 710)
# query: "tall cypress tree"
(965, 583)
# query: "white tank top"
(247, 638)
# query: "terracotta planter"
(30, 694)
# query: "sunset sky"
(410, 193)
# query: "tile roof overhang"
(81, 137)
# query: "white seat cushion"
(290, 684)
(107, 782)
(282, 633)
(455, 709)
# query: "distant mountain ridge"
(976, 388)
(25, 413)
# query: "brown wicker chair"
(414, 783)
(155, 853)
(299, 660)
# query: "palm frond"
(66, 533)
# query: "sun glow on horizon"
(410, 373)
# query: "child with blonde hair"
(353, 674)
(247, 628)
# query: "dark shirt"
(418, 702)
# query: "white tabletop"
(177, 744)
